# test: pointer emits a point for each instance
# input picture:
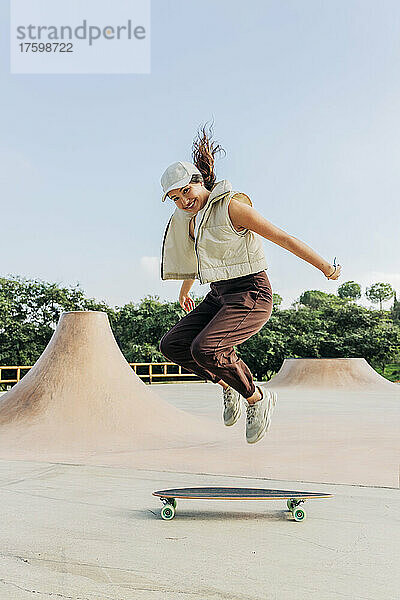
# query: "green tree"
(29, 312)
(276, 300)
(356, 331)
(349, 290)
(332, 331)
(395, 310)
(142, 325)
(318, 299)
(380, 292)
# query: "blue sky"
(306, 101)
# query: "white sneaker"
(258, 419)
(232, 406)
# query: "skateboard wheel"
(299, 514)
(289, 505)
(167, 512)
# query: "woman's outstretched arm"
(246, 216)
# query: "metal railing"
(16, 371)
(155, 371)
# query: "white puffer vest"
(219, 252)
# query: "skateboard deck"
(294, 499)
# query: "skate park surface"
(94, 533)
(77, 473)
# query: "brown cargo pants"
(202, 341)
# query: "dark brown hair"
(204, 150)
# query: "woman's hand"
(332, 271)
(186, 302)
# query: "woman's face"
(190, 198)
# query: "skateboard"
(294, 499)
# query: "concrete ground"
(93, 531)
(81, 532)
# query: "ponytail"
(203, 153)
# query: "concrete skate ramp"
(350, 374)
(82, 397)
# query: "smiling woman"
(215, 235)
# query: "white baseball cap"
(177, 175)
